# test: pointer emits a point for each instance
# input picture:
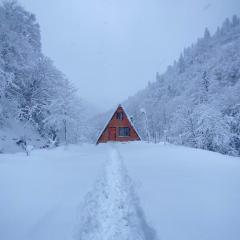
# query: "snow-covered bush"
(25, 146)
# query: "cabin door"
(112, 134)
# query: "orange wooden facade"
(119, 129)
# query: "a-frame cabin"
(119, 129)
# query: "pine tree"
(235, 21)
(181, 64)
(207, 34)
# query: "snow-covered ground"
(184, 193)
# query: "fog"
(110, 49)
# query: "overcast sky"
(110, 49)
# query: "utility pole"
(143, 111)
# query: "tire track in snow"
(111, 210)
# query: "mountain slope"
(196, 102)
(33, 92)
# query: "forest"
(196, 102)
(33, 92)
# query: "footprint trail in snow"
(111, 210)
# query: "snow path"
(112, 210)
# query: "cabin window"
(119, 115)
(124, 132)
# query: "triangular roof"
(112, 115)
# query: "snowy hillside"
(164, 191)
(33, 91)
(196, 101)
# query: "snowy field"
(185, 194)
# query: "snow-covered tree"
(207, 34)
(63, 110)
(181, 64)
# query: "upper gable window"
(119, 115)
